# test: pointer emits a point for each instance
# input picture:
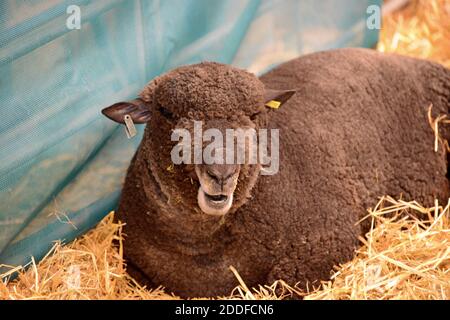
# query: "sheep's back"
(360, 117)
(356, 129)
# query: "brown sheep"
(355, 129)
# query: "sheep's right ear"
(137, 109)
(276, 98)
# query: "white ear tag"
(130, 129)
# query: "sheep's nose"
(221, 172)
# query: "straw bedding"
(420, 30)
(401, 257)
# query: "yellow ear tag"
(273, 104)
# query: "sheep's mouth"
(220, 198)
(217, 204)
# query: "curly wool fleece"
(356, 129)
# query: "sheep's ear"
(137, 109)
(276, 98)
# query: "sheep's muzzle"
(217, 185)
(214, 204)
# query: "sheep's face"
(221, 176)
(214, 96)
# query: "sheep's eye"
(210, 174)
(166, 113)
(253, 116)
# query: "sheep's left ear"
(137, 109)
(276, 98)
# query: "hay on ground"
(421, 30)
(402, 257)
